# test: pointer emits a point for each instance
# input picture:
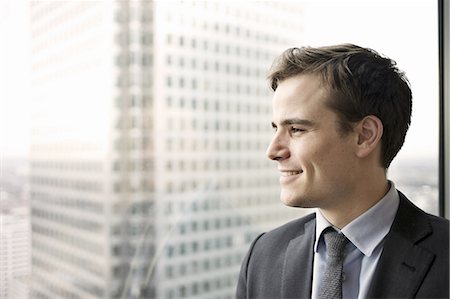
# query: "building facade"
(150, 123)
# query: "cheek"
(331, 159)
(308, 147)
(336, 162)
(325, 152)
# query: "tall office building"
(150, 123)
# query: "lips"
(288, 176)
(287, 173)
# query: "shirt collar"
(368, 229)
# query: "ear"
(370, 131)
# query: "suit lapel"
(298, 264)
(403, 264)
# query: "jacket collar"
(405, 261)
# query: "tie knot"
(335, 243)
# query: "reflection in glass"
(150, 122)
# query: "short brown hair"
(361, 82)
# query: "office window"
(141, 128)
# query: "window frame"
(444, 107)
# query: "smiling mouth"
(290, 173)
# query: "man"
(340, 115)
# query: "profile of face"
(315, 159)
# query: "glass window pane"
(142, 165)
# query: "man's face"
(316, 161)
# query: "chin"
(297, 202)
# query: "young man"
(340, 115)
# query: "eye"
(295, 130)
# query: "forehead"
(302, 95)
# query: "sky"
(14, 78)
(404, 30)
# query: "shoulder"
(407, 209)
(415, 222)
(439, 223)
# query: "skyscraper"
(150, 122)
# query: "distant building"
(150, 123)
(15, 248)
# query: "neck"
(362, 198)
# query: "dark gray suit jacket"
(414, 262)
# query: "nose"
(278, 149)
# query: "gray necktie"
(331, 286)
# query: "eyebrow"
(295, 121)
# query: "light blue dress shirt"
(366, 234)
